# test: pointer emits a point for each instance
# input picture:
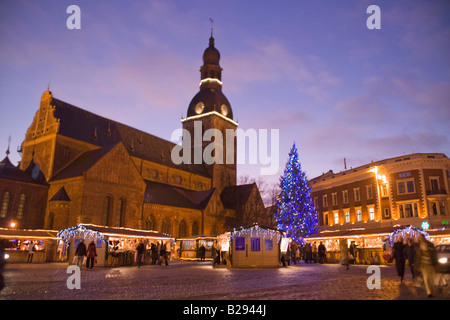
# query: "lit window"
(336, 218)
(347, 216)
(358, 215)
(371, 214)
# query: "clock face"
(199, 107)
(224, 109)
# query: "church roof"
(61, 195)
(9, 171)
(165, 194)
(81, 164)
(86, 126)
(234, 196)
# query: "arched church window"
(165, 226)
(5, 204)
(182, 229)
(120, 213)
(195, 228)
(21, 207)
(107, 206)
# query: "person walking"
(308, 253)
(426, 260)
(344, 250)
(140, 253)
(154, 253)
(163, 254)
(294, 249)
(410, 255)
(91, 253)
(30, 252)
(202, 253)
(398, 254)
(80, 253)
(352, 252)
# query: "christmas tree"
(296, 213)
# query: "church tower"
(210, 123)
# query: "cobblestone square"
(200, 281)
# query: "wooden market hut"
(189, 247)
(115, 246)
(17, 242)
(255, 246)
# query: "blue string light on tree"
(296, 214)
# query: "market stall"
(190, 248)
(252, 247)
(115, 246)
(18, 241)
(373, 245)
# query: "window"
(334, 198)
(409, 210)
(150, 223)
(195, 228)
(387, 213)
(357, 196)
(336, 218)
(443, 209)
(347, 216)
(434, 182)
(369, 192)
(165, 226)
(358, 215)
(316, 202)
(268, 244)
(325, 201)
(5, 204)
(371, 214)
(20, 209)
(120, 213)
(345, 196)
(405, 186)
(255, 244)
(384, 190)
(182, 229)
(326, 219)
(107, 206)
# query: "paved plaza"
(200, 281)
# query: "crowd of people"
(309, 253)
(422, 261)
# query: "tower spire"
(212, 23)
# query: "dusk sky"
(311, 69)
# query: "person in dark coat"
(398, 254)
(163, 254)
(91, 253)
(154, 253)
(201, 253)
(80, 253)
(140, 253)
(322, 253)
(410, 255)
(308, 253)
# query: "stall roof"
(127, 232)
(29, 234)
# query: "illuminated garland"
(80, 232)
(406, 232)
(255, 231)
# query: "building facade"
(407, 190)
(99, 171)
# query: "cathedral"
(79, 167)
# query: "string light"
(80, 232)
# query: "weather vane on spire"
(212, 23)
